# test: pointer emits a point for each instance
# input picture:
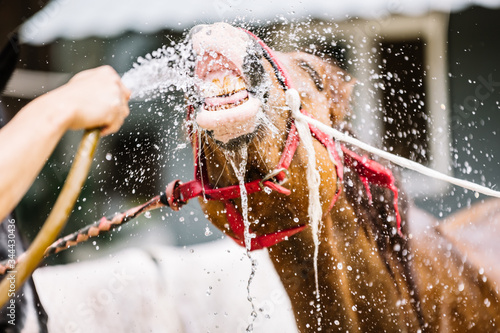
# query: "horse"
(371, 262)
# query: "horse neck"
(352, 274)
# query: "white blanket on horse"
(164, 289)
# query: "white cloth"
(165, 289)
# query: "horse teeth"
(225, 106)
(228, 86)
(240, 84)
(217, 83)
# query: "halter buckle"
(271, 177)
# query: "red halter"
(178, 193)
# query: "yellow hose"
(56, 221)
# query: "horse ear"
(339, 87)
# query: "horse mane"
(377, 218)
(378, 215)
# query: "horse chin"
(231, 123)
(232, 138)
(236, 143)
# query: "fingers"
(100, 100)
(126, 91)
(112, 128)
(122, 111)
(118, 115)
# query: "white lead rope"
(312, 175)
(401, 161)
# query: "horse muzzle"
(224, 56)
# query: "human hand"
(94, 98)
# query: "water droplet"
(487, 302)
(147, 215)
(109, 156)
(208, 232)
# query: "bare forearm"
(26, 143)
(94, 98)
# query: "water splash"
(161, 71)
(240, 174)
(240, 170)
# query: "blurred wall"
(474, 85)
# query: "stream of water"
(240, 171)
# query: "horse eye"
(314, 75)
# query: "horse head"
(240, 100)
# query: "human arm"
(91, 99)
